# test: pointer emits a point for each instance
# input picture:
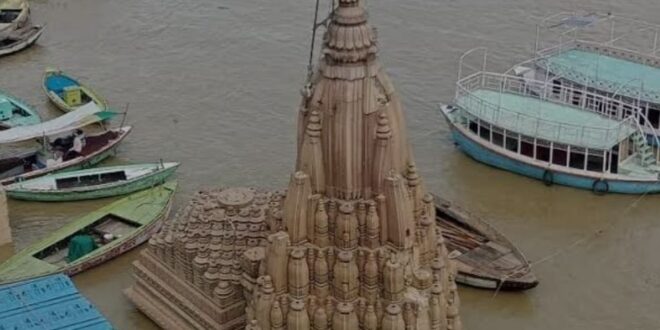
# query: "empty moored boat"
(14, 112)
(94, 238)
(604, 54)
(485, 258)
(92, 183)
(67, 93)
(517, 125)
(20, 39)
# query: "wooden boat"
(20, 39)
(605, 54)
(14, 14)
(14, 112)
(514, 124)
(67, 93)
(114, 229)
(485, 258)
(35, 163)
(92, 183)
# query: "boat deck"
(607, 73)
(546, 120)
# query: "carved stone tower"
(353, 242)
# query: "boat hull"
(115, 190)
(29, 40)
(492, 158)
(488, 283)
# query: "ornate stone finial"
(321, 237)
(383, 132)
(298, 274)
(392, 320)
(320, 319)
(314, 125)
(345, 317)
(276, 316)
(370, 318)
(297, 319)
(252, 325)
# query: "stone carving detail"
(352, 244)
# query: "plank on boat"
(94, 238)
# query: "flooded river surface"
(215, 85)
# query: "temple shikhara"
(351, 244)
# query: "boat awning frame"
(85, 115)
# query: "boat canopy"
(83, 116)
(510, 103)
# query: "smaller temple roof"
(50, 302)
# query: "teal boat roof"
(546, 120)
(607, 73)
(49, 302)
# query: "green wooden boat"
(92, 183)
(114, 229)
(67, 93)
(14, 112)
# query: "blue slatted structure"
(49, 302)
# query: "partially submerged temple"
(351, 244)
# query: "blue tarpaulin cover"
(49, 302)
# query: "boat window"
(511, 142)
(595, 160)
(543, 150)
(484, 132)
(556, 86)
(474, 127)
(654, 117)
(614, 164)
(527, 146)
(577, 96)
(577, 158)
(627, 110)
(498, 136)
(559, 154)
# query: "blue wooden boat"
(512, 123)
(604, 54)
(49, 302)
(14, 112)
(66, 93)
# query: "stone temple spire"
(352, 243)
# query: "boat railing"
(534, 124)
(599, 28)
(630, 90)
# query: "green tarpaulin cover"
(79, 246)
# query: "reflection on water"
(214, 84)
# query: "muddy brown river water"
(215, 84)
